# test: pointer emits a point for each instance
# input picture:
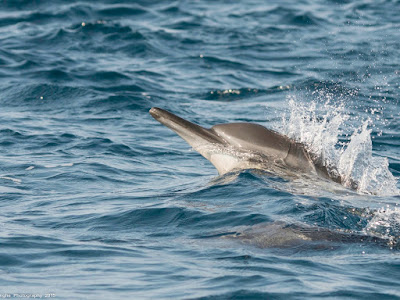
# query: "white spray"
(323, 128)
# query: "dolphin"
(238, 146)
(279, 234)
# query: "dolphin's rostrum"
(247, 145)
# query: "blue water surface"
(100, 201)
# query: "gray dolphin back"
(254, 137)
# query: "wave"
(236, 94)
(118, 10)
(30, 96)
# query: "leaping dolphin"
(247, 146)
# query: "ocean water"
(100, 201)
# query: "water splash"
(385, 224)
(342, 140)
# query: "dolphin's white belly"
(227, 159)
(225, 163)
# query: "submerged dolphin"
(247, 146)
(281, 235)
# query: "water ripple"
(97, 195)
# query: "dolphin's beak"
(160, 114)
(156, 112)
(190, 132)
